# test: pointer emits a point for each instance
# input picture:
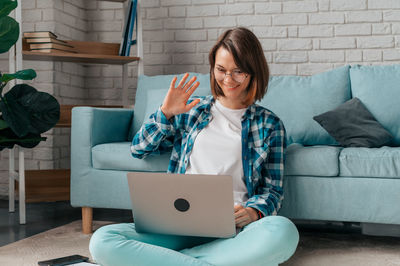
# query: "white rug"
(315, 249)
(58, 242)
(334, 249)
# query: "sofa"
(323, 180)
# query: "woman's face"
(234, 82)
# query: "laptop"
(177, 204)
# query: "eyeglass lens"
(235, 75)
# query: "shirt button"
(245, 157)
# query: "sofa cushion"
(378, 88)
(296, 100)
(352, 125)
(117, 156)
(312, 160)
(370, 162)
(150, 94)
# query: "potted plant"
(25, 112)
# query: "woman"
(226, 133)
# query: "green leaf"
(3, 124)
(9, 33)
(6, 6)
(15, 115)
(44, 111)
(26, 74)
(8, 139)
(27, 110)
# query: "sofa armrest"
(91, 126)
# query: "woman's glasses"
(237, 75)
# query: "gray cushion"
(370, 162)
(352, 125)
(312, 160)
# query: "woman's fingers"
(183, 80)
(242, 221)
(191, 105)
(187, 85)
(192, 88)
(172, 85)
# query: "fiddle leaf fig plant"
(25, 112)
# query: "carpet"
(58, 242)
(345, 249)
(315, 248)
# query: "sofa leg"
(87, 219)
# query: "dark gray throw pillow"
(352, 125)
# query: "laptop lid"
(177, 204)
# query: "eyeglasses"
(237, 75)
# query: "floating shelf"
(86, 52)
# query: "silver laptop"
(177, 204)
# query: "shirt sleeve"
(269, 194)
(154, 137)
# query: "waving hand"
(175, 102)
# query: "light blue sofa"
(323, 180)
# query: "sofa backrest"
(378, 88)
(294, 99)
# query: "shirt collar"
(250, 112)
(205, 105)
(209, 100)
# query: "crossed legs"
(269, 241)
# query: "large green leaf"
(26, 74)
(15, 115)
(8, 139)
(9, 33)
(3, 124)
(44, 111)
(27, 110)
(6, 6)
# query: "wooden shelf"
(46, 185)
(87, 52)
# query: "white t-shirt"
(217, 149)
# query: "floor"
(44, 216)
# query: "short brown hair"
(248, 54)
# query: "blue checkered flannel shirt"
(263, 148)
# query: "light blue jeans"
(268, 241)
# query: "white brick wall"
(300, 37)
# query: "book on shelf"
(52, 45)
(51, 50)
(125, 29)
(45, 40)
(39, 34)
(129, 41)
(127, 36)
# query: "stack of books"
(47, 42)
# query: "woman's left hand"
(244, 216)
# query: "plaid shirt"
(263, 147)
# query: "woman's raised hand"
(175, 102)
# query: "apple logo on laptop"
(181, 205)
